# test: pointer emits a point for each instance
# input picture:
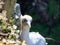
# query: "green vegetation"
(53, 11)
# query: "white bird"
(17, 10)
(31, 38)
(17, 13)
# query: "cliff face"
(9, 5)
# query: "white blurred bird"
(17, 10)
(17, 13)
(31, 38)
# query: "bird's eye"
(25, 20)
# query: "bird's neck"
(25, 33)
(25, 29)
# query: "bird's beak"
(29, 24)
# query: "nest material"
(4, 40)
(9, 42)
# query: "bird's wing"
(37, 38)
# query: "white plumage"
(31, 38)
(37, 39)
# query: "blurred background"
(46, 17)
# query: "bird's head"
(26, 21)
